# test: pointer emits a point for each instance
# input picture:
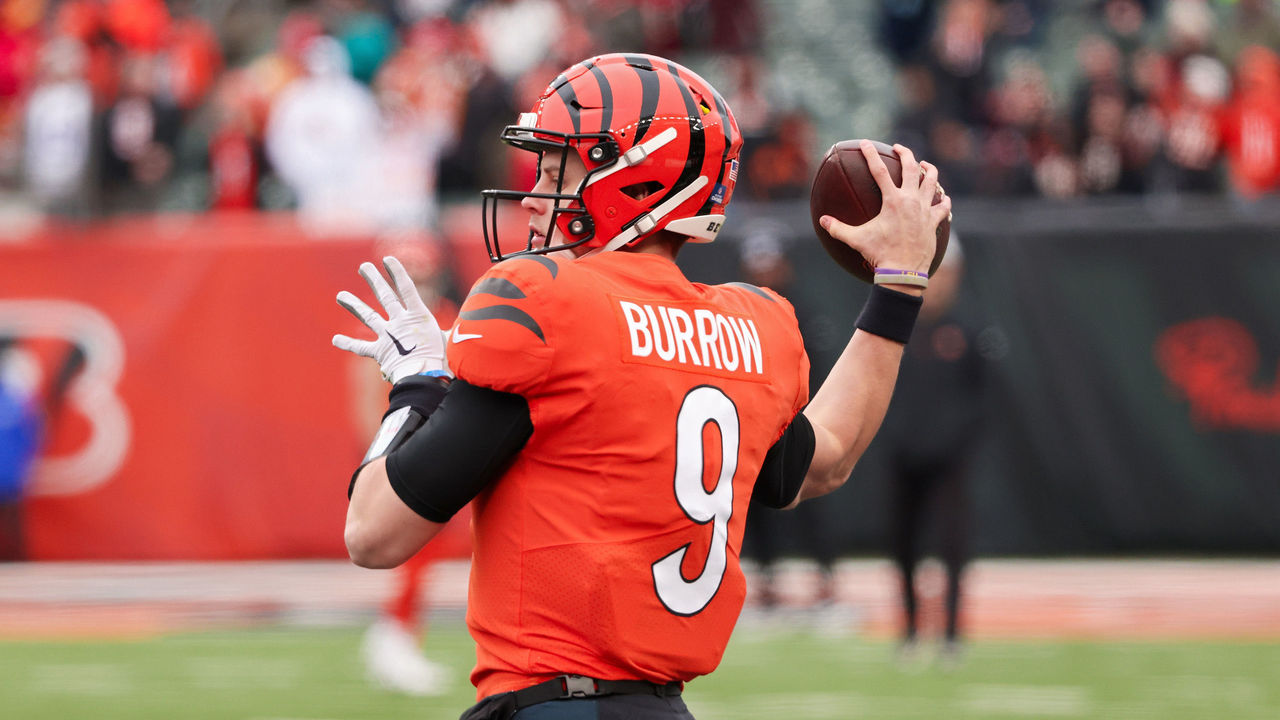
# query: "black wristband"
(889, 314)
(423, 393)
(411, 402)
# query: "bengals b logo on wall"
(90, 395)
(1212, 362)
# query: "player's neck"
(664, 244)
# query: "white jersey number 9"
(702, 405)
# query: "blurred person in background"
(1125, 23)
(781, 164)
(514, 35)
(191, 59)
(473, 163)
(1193, 139)
(241, 176)
(31, 398)
(321, 133)
(140, 131)
(763, 262)
(419, 95)
(928, 442)
(748, 91)
(1102, 69)
(21, 421)
(1196, 88)
(904, 28)
(1251, 123)
(235, 146)
(1024, 149)
(20, 50)
(960, 59)
(58, 131)
(944, 138)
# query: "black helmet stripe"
(648, 93)
(722, 109)
(697, 138)
(570, 99)
(606, 97)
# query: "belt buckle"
(577, 686)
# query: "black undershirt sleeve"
(785, 465)
(466, 443)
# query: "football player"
(611, 419)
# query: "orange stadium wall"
(211, 418)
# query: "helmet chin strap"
(650, 220)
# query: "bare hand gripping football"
(854, 182)
(409, 341)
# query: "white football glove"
(409, 340)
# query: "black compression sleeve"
(785, 465)
(467, 443)
(412, 400)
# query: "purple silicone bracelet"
(885, 276)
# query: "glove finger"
(381, 289)
(363, 348)
(363, 313)
(405, 286)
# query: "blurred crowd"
(365, 113)
(359, 113)
(1172, 96)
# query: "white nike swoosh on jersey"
(459, 337)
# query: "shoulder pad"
(501, 337)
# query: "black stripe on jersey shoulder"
(498, 287)
(545, 262)
(506, 312)
(754, 289)
(649, 89)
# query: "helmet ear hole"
(641, 190)
(580, 225)
(603, 152)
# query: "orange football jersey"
(609, 547)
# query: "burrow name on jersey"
(699, 337)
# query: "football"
(844, 188)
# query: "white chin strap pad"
(699, 228)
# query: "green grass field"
(304, 673)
